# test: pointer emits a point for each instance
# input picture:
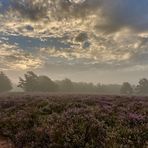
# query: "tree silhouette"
(142, 87)
(5, 83)
(32, 82)
(45, 84)
(29, 83)
(66, 85)
(126, 88)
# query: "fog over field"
(95, 41)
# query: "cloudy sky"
(85, 40)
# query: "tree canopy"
(32, 82)
(5, 83)
(126, 88)
(142, 87)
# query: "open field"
(73, 121)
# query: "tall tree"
(45, 84)
(5, 83)
(66, 85)
(32, 82)
(29, 83)
(142, 87)
(126, 88)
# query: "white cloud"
(12, 58)
(99, 32)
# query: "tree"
(66, 85)
(5, 83)
(126, 88)
(142, 87)
(45, 84)
(29, 83)
(32, 82)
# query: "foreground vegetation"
(74, 121)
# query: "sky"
(95, 41)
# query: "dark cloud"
(116, 14)
(29, 28)
(119, 14)
(81, 37)
(31, 9)
(34, 9)
(70, 45)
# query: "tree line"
(31, 82)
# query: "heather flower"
(136, 117)
(70, 121)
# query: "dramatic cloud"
(110, 15)
(74, 35)
(33, 9)
(12, 58)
